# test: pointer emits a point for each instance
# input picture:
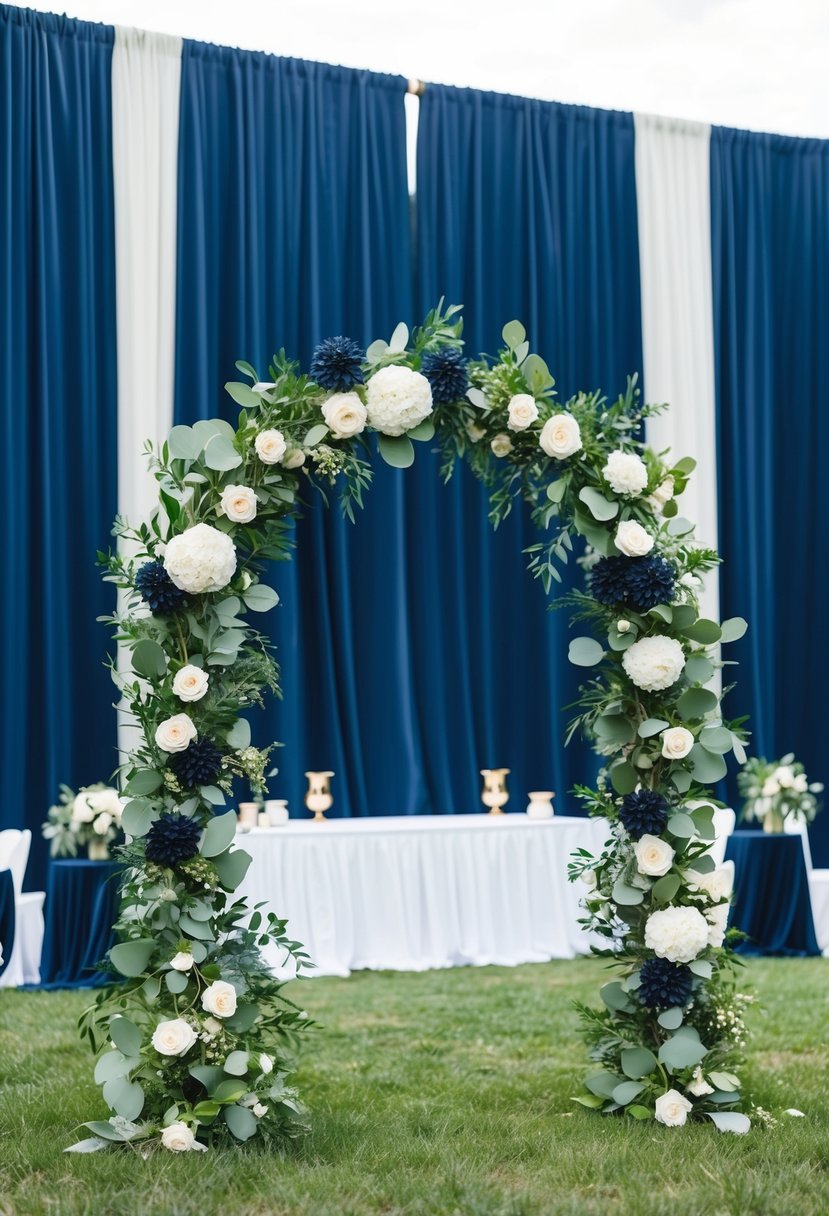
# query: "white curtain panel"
(146, 78)
(674, 213)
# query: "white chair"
(24, 964)
(818, 884)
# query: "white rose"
(219, 998)
(83, 810)
(522, 411)
(182, 961)
(623, 626)
(259, 1110)
(501, 445)
(717, 885)
(190, 683)
(238, 503)
(698, 1086)
(632, 539)
(654, 664)
(265, 1063)
(784, 776)
(717, 918)
(294, 459)
(200, 559)
(676, 743)
(560, 436)
(345, 415)
(270, 446)
(174, 1038)
(770, 788)
(654, 856)
(801, 784)
(676, 933)
(175, 734)
(625, 473)
(179, 1138)
(589, 879)
(672, 1108)
(663, 493)
(475, 432)
(398, 399)
(102, 823)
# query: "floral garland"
(201, 1038)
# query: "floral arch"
(200, 1036)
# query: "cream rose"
(219, 998)
(175, 734)
(345, 415)
(179, 1138)
(632, 539)
(560, 436)
(190, 683)
(108, 801)
(182, 961)
(102, 823)
(270, 446)
(501, 445)
(625, 473)
(677, 742)
(522, 412)
(83, 808)
(294, 459)
(663, 494)
(654, 856)
(672, 1109)
(174, 1038)
(238, 503)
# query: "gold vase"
(319, 799)
(773, 821)
(494, 795)
(97, 850)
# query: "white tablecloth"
(412, 893)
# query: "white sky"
(761, 64)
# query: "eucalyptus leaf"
(627, 1091)
(243, 395)
(184, 443)
(682, 1050)
(600, 508)
(585, 652)
(733, 629)
(652, 726)
(176, 981)
(696, 703)
(125, 1035)
(603, 1083)
(238, 737)
(260, 598)
(626, 895)
(670, 1019)
(232, 868)
(730, 1121)
(513, 334)
(149, 659)
(396, 450)
(706, 767)
(703, 631)
(665, 888)
(220, 454)
(423, 432)
(623, 777)
(682, 826)
(125, 1097)
(637, 1062)
(131, 958)
(218, 834)
(241, 1121)
(315, 435)
(237, 1063)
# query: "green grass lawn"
(446, 1092)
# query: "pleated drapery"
(770, 252)
(525, 209)
(59, 392)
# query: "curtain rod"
(416, 87)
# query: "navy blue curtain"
(293, 226)
(58, 387)
(770, 248)
(525, 209)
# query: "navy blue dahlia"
(446, 372)
(157, 589)
(663, 984)
(199, 764)
(639, 582)
(336, 364)
(643, 813)
(171, 839)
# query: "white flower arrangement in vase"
(776, 790)
(90, 819)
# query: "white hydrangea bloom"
(654, 663)
(625, 473)
(200, 559)
(678, 934)
(397, 399)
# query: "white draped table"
(409, 893)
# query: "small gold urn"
(319, 798)
(494, 795)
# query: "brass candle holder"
(494, 795)
(319, 798)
